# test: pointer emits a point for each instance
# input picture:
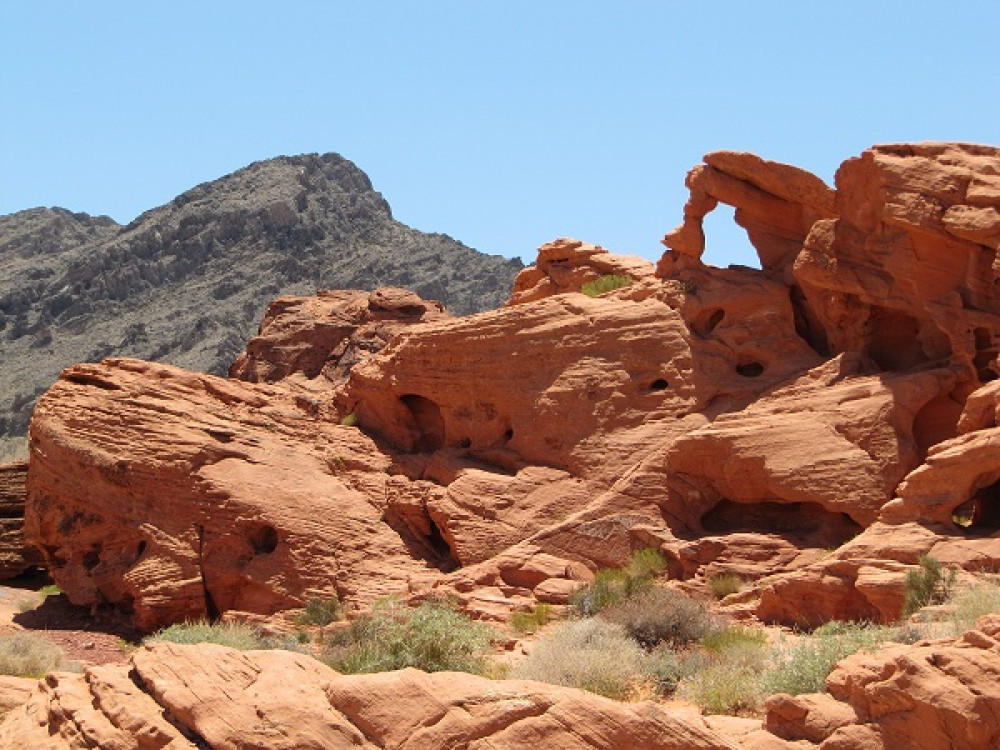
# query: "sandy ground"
(85, 639)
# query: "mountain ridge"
(186, 282)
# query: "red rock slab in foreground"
(210, 696)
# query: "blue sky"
(502, 124)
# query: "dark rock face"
(187, 282)
(15, 556)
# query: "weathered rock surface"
(930, 696)
(186, 282)
(209, 696)
(565, 265)
(744, 421)
(328, 333)
(16, 556)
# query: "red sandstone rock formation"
(740, 420)
(16, 556)
(210, 696)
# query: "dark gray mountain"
(187, 282)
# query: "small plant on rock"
(604, 284)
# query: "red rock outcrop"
(210, 696)
(327, 334)
(565, 265)
(16, 556)
(929, 696)
(740, 420)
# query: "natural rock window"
(428, 421)
(264, 539)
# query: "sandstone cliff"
(814, 426)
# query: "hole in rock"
(807, 326)
(811, 522)
(465, 443)
(92, 558)
(428, 421)
(508, 435)
(750, 369)
(980, 514)
(707, 320)
(438, 544)
(986, 353)
(659, 384)
(936, 421)
(264, 539)
(139, 550)
(726, 242)
(893, 341)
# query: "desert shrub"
(604, 284)
(727, 681)
(973, 602)
(646, 564)
(232, 634)
(804, 667)
(724, 584)
(529, 622)
(431, 637)
(320, 612)
(734, 637)
(28, 655)
(350, 420)
(611, 586)
(931, 584)
(590, 654)
(657, 615)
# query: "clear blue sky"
(502, 124)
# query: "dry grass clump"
(231, 634)
(725, 584)
(431, 637)
(590, 654)
(28, 655)
(973, 602)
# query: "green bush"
(320, 612)
(529, 622)
(232, 634)
(590, 654)
(658, 615)
(724, 584)
(431, 637)
(604, 284)
(28, 655)
(646, 564)
(931, 584)
(611, 586)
